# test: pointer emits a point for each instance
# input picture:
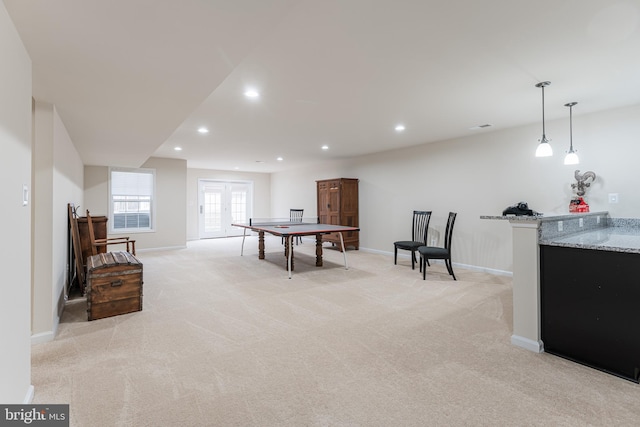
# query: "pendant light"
(544, 148)
(572, 157)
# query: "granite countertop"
(585, 230)
(513, 217)
(614, 239)
(543, 216)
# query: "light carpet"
(225, 340)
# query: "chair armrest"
(113, 240)
(131, 244)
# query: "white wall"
(171, 214)
(15, 254)
(261, 194)
(297, 189)
(41, 224)
(68, 183)
(57, 180)
(480, 175)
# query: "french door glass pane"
(212, 212)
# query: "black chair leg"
(424, 263)
(413, 260)
(395, 255)
(450, 268)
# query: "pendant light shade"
(544, 148)
(572, 157)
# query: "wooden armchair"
(96, 243)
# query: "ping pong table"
(290, 229)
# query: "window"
(132, 200)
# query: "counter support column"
(526, 286)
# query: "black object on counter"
(519, 209)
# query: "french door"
(221, 203)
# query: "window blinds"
(131, 183)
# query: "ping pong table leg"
(244, 234)
(344, 252)
(261, 245)
(289, 250)
(318, 250)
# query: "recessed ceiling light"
(279, 159)
(177, 148)
(237, 167)
(203, 130)
(399, 128)
(251, 93)
(325, 147)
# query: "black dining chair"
(434, 252)
(419, 230)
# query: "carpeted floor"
(225, 340)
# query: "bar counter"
(575, 289)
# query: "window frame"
(152, 203)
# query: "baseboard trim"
(42, 337)
(164, 248)
(29, 396)
(484, 269)
(527, 344)
(407, 255)
(377, 251)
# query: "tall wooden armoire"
(338, 205)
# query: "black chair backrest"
(420, 226)
(448, 232)
(296, 214)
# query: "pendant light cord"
(544, 136)
(570, 105)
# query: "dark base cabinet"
(590, 304)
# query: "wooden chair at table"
(96, 243)
(295, 215)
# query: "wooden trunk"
(114, 284)
(337, 201)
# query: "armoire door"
(338, 205)
(329, 202)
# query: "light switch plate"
(25, 195)
(613, 198)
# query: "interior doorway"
(221, 203)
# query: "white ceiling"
(135, 78)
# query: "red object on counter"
(578, 205)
